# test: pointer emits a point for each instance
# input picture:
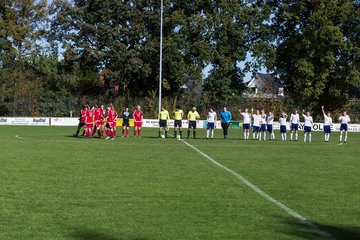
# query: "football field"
(55, 186)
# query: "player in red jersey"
(81, 121)
(111, 123)
(89, 119)
(138, 119)
(99, 113)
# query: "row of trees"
(55, 55)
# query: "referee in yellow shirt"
(192, 116)
(163, 121)
(178, 116)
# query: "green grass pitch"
(53, 186)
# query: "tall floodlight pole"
(160, 69)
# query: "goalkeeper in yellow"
(163, 122)
(192, 116)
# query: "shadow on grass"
(339, 232)
(96, 235)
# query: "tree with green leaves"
(234, 29)
(123, 37)
(22, 28)
(317, 49)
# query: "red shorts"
(99, 123)
(111, 124)
(137, 124)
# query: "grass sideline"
(54, 186)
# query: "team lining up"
(100, 120)
(93, 121)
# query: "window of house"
(281, 91)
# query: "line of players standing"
(344, 119)
(93, 121)
(192, 118)
(261, 123)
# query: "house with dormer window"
(264, 85)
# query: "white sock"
(345, 138)
(207, 133)
(212, 133)
(264, 136)
(309, 137)
(305, 137)
(247, 135)
(273, 136)
(340, 137)
(253, 135)
(259, 135)
(296, 136)
(291, 135)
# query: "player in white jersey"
(211, 119)
(283, 123)
(246, 123)
(307, 125)
(256, 124)
(270, 122)
(294, 121)
(262, 124)
(327, 125)
(344, 120)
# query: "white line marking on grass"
(17, 136)
(288, 210)
(340, 144)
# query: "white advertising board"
(147, 123)
(320, 127)
(41, 121)
(63, 121)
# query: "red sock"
(108, 132)
(139, 132)
(122, 132)
(134, 132)
(113, 134)
(99, 133)
(127, 132)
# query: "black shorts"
(163, 123)
(192, 124)
(81, 124)
(178, 123)
(126, 123)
